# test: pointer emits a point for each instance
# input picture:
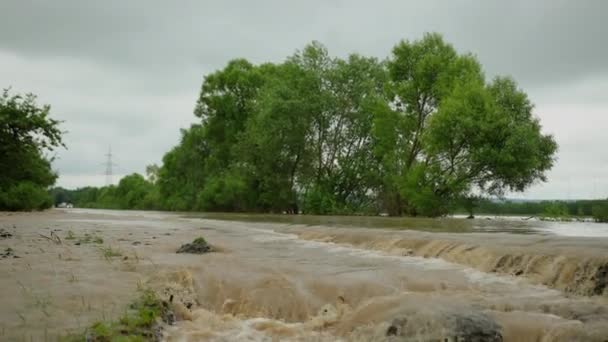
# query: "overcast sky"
(127, 73)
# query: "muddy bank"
(572, 265)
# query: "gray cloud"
(127, 73)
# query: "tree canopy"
(27, 134)
(319, 134)
(415, 134)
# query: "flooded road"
(311, 280)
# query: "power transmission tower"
(109, 165)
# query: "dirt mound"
(198, 246)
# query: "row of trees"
(598, 209)
(412, 134)
(27, 136)
(318, 134)
(132, 192)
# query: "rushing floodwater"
(312, 279)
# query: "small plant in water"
(87, 238)
(200, 241)
(70, 235)
(137, 324)
(108, 252)
(91, 238)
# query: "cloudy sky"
(127, 73)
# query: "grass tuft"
(200, 241)
(109, 252)
(139, 322)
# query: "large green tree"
(27, 135)
(446, 132)
(319, 134)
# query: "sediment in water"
(245, 314)
(544, 260)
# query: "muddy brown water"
(312, 279)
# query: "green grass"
(200, 241)
(137, 324)
(109, 252)
(85, 239)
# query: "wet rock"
(451, 325)
(600, 279)
(5, 234)
(198, 246)
(136, 243)
(9, 253)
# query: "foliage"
(414, 135)
(132, 192)
(556, 210)
(551, 209)
(137, 324)
(600, 212)
(24, 195)
(27, 132)
(451, 132)
(108, 252)
(200, 241)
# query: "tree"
(308, 137)
(27, 132)
(447, 132)
(600, 211)
(152, 173)
(131, 191)
(182, 174)
(318, 134)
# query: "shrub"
(600, 212)
(25, 196)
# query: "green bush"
(556, 210)
(600, 212)
(25, 196)
(137, 324)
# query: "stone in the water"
(450, 325)
(198, 246)
(5, 234)
(8, 252)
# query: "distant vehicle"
(65, 205)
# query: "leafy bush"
(600, 212)
(556, 210)
(137, 324)
(25, 196)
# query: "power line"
(109, 164)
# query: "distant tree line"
(132, 192)
(410, 135)
(597, 209)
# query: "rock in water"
(4, 234)
(449, 325)
(198, 246)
